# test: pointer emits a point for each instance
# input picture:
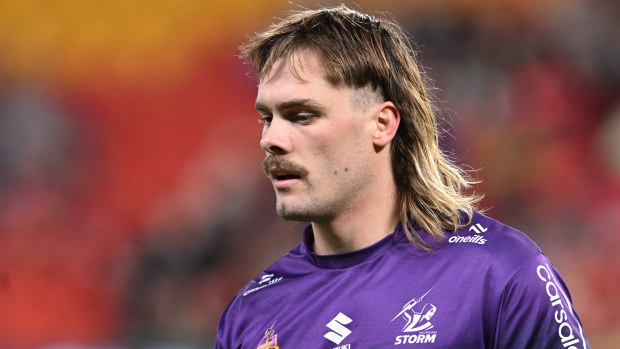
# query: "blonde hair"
(359, 50)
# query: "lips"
(280, 174)
(282, 170)
(283, 179)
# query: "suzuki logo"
(339, 332)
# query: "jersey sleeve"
(225, 338)
(536, 310)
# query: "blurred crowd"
(132, 202)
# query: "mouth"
(283, 173)
(283, 179)
(279, 174)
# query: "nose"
(275, 138)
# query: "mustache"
(284, 164)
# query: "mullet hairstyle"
(360, 51)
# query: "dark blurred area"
(132, 201)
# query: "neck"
(364, 223)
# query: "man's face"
(317, 139)
(429, 314)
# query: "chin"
(293, 214)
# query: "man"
(351, 146)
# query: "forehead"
(305, 66)
(299, 76)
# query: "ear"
(387, 121)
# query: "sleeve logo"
(266, 281)
(556, 294)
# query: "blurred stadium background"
(132, 204)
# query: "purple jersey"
(486, 286)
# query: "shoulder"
(487, 241)
(267, 284)
(258, 297)
(536, 307)
(286, 267)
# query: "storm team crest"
(417, 315)
(270, 339)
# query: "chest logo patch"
(270, 339)
(338, 330)
(417, 316)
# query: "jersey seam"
(373, 257)
(505, 290)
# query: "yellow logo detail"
(270, 339)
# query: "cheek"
(340, 152)
(326, 158)
(343, 158)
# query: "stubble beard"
(289, 212)
(294, 212)
(318, 208)
(292, 215)
(311, 205)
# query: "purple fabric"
(486, 286)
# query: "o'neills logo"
(565, 330)
(475, 239)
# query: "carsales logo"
(555, 293)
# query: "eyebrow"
(295, 103)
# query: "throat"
(348, 233)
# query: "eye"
(304, 118)
(265, 119)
